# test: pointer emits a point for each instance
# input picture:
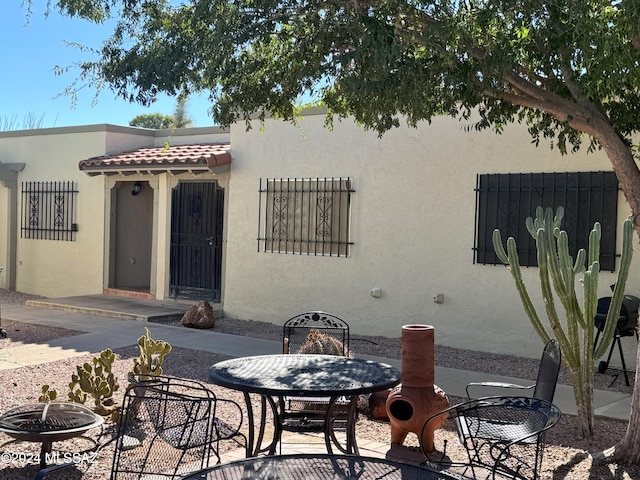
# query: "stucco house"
(269, 222)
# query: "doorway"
(197, 212)
(133, 229)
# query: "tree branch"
(580, 118)
(526, 87)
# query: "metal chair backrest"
(548, 371)
(167, 429)
(296, 329)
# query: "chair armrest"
(226, 431)
(496, 385)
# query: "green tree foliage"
(568, 69)
(179, 119)
(152, 120)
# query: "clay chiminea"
(411, 403)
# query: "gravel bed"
(567, 455)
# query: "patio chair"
(168, 427)
(546, 381)
(503, 437)
(307, 414)
(296, 330)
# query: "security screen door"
(196, 241)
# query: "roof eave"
(126, 172)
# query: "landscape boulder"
(200, 316)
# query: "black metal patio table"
(302, 376)
(319, 467)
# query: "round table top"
(304, 375)
(318, 467)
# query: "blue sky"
(29, 86)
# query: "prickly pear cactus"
(320, 343)
(97, 380)
(152, 353)
(48, 394)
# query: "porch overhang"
(9, 172)
(173, 159)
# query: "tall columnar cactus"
(152, 353)
(557, 272)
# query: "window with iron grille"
(504, 201)
(48, 210)
(307, 216)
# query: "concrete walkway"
(113, 322)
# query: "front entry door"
(196, 241)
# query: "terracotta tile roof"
(175, 158)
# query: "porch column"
(162, 234)
(9, 180)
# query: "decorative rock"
(200, 316)
(129, 442)
(378, 405)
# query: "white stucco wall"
(56, 268)
(412, 226)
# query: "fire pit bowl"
(51, 422)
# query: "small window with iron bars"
(306, 216)
(48, 210)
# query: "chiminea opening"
(401, 410)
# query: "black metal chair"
(503, 437)
(309, 414)
(546, 381)
(168, 427)
(296, 330)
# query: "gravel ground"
(567, 455)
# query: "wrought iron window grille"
(48, 210)
(504, 201)
(306, 216)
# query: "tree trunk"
(628, 173)
(627, 450)
(589, 119)
(623, 163)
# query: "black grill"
(627, 327)
(628, 318)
